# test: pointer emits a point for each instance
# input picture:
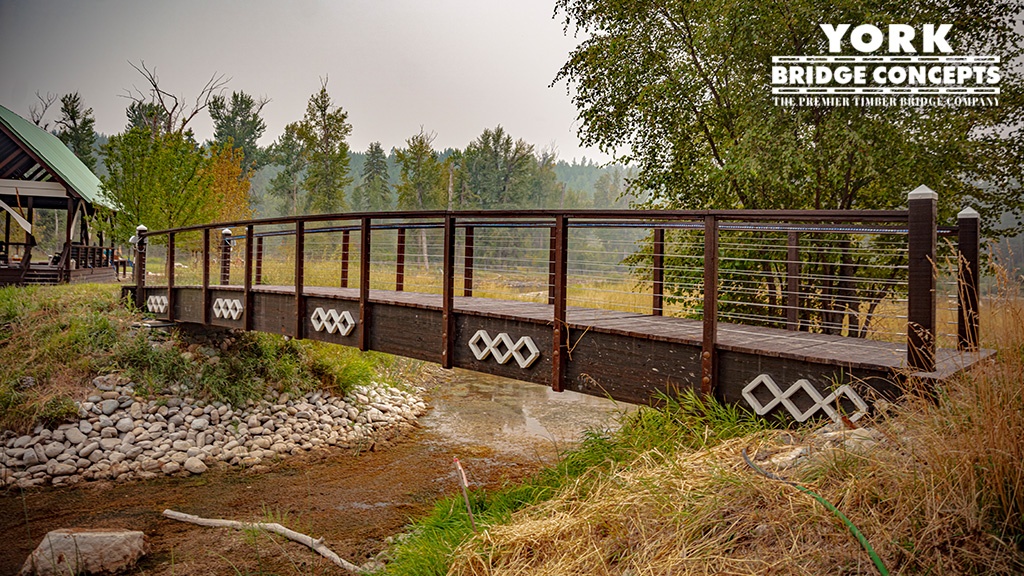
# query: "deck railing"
(852, 273)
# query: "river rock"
(74, 436)
(125, 425)
(170, 468)
(108, 407)
(200, 424)
(195, 465)
(82, 551)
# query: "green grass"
(684, 423)
(55, 339)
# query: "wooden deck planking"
(764, 341)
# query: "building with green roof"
(48, 198)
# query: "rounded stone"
(170, 468)
(195, 465)
(200, 424)
(125, 425)
(108, 407)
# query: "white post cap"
(923, 192)
(968, 213)
(141, 229)
(226, 231)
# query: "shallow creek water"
(501, 430)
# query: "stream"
(501, 430)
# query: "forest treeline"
(158, 173)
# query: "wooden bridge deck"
(625, 355)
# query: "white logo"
(826, 404)
(900, 76)
(332, 321)
(483, 346)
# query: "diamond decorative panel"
(826, 404)
(332, 321)
(503, 348)
(157, 304)
(227, 308)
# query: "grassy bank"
(55, 339)
(940, 490)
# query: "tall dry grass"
(941, 493)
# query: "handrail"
(916, 224)
(693, 215)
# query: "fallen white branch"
(317, 545)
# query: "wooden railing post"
(206, 275)
(793, 280)
(709, 340)
(448, 294)
(259, 261)
(658, 271)
(225, 256)
(968, 277)
(400, 262)
(467, 264)
(922, 240)
(140, 264)
(344, 258)
(560, 335)
(247, 320)
(170, 276)
(300, 274)
(364, 284)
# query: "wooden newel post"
(170, 276)
(225, 256)
(448, 294)
(922, 206)
(968, 277)
(658, 272)
(140, 263)
(709, 340)
(259, 261)
(247, 319)
(300, 276)
(560, 336)
(365, 229)
(206, 275)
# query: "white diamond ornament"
(824, 404)
(474, 344)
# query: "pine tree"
(239, 122)
(322, 133)
(374, 193)
(77, 128)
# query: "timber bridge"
(804, 312)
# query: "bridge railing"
(870, 274)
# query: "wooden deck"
(627, 356)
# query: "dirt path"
(500, 430)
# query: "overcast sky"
(454, 67)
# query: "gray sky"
(454, 67)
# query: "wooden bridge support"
(629, 355)
(922, 240)
(969, 247)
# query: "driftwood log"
(315, 544)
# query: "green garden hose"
(853, 529)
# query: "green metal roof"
(57, 157)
